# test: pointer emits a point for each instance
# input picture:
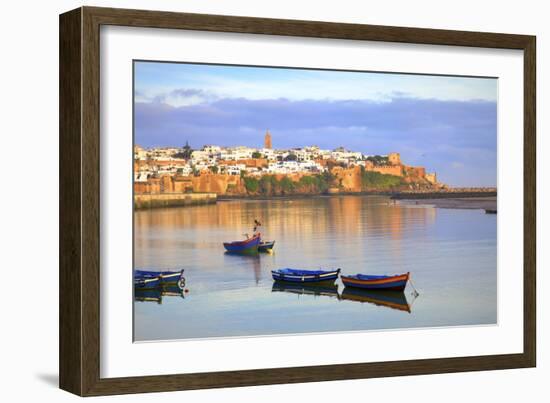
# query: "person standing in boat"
(256, 225)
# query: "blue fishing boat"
(147, 282)
(153, 279)
(304, 276)
(395, 283)
(248, 245)
(266, 246)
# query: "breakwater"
(144, 201)
(445, 194)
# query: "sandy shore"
(474, 203)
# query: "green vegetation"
(378, 159)
(378, 181)
(287, 185)
(251, 184)
(214, 169)
(269, 185)
(257, 155)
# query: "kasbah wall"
(223, 184)
(350, 178)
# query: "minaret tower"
(267, 140)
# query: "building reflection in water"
(235, 295)
(321, 228)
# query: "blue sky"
(447, 124)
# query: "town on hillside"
(245, 170)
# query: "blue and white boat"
(153, 279)
(304, 276)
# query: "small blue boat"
(266, 246)
(304, 276)
(395, 283)
(246, 246)
(153, 279)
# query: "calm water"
(451, 255)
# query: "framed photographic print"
(249, 201)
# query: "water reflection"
(320, 289)
(450, 253)
(156, 294)
(389, 299)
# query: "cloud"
(264, 83)
(178, 97)
(433, 133)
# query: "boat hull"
(266, 246)
(153, 279)
(390, 283)
(304, 276)
(249, 245)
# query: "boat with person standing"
(248, 245)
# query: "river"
(450, 253)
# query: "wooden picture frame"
(79, 279)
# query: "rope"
(416, 293)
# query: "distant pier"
(158, 200)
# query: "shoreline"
(444, 195)
(487, 203)
(472, 200)
(392, 195)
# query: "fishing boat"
(389, 299)
(304, 276)
(248, 245)
(266, 246)
(153, 279)
(147, 282)
(371, 282)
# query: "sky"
(446, 124)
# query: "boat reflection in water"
(389, 299)
(328, 288)
(156, 294)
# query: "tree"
(291, 157)
(185, 152)
(378, 160)
(214, 169)
(251, 184)
(257, 155)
